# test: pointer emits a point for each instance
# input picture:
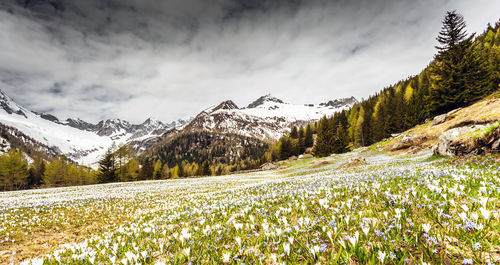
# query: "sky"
(134, 59)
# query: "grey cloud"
(170, 59)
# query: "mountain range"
(266, 118)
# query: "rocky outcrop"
(268, 166)
(443, 117)
(439, 119)
(451, 144)
(408, 141)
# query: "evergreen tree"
(286, 148)
(340, 139)
(122, 156)
(452, 32)
(107, 168)
(147, 171)
(36, 171)
(324, 140)
(308, 138)
(358, 132)
(301, 141)
(204, 169)
(294, 133)
(459, 71)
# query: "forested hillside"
(465, 69)
(207, 153)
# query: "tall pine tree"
(459, 72)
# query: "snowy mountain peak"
(339, 103)
(80, 124)
(265, 118)
(112, 126)
(9, 106)
(264, 99)
(180, 123)
(227, 105)
(152, 122)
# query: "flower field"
(391, 210)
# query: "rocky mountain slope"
(265, 118)
(80, 141)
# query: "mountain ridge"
(265, 118)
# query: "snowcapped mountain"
(265, 118)
(80, 141)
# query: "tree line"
(297, 142)
(16, 172)
(464, 70)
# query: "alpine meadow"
(249, 132)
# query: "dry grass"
(482, 112)
(320, 164)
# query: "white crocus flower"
(381, 256)
(186, 251)
(366, 229)
(286, 248)
(485, 213)
(426, 228)
(226, 257)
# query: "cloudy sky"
(132, 59)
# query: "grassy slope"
(484, 111)
(138, 213)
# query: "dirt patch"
(321, 164)
(353, 163)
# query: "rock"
(439, 119)
(292, 158)
(443, 117)
(447, 144)
(496, 145)
(453, 111)
(408, 141)
(268, 166)
(353, 162)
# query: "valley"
(384, 209)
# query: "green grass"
(434, 157)
(491, 128)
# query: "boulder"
(408, 141)
(440, 119)
(447, 144)
(268, 166)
